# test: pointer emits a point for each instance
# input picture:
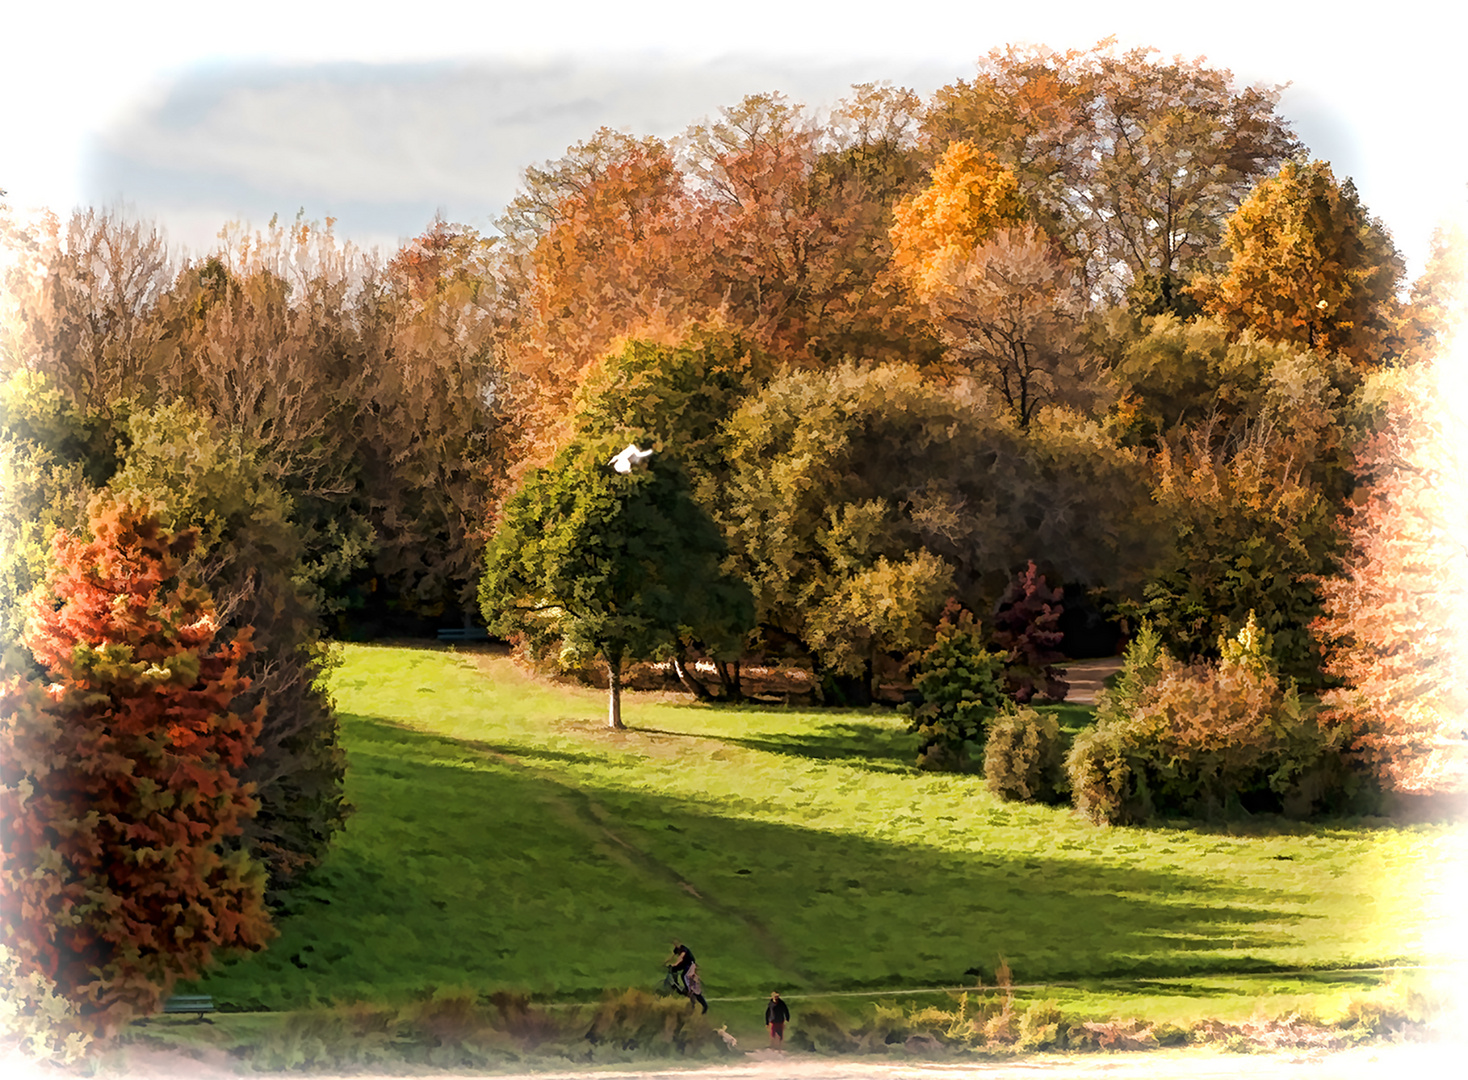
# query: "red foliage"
(119, 786)
(1027, 629)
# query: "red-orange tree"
(119, 787)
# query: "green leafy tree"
(615, 565)
(831, 473)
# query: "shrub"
(1042, 1027)
(1208, 739)
(822, 1029)
(1106, 783)
(1027, 629)
(959, 684)
(1141, 666)
(653, 1026)
(1024, 758)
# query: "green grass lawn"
(503, 838)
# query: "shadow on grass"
(460, 869)
(869, 746)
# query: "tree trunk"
(694, 687)
(614, 694)
(729, 679)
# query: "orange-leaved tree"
(1390, 628)
(969, 197)
(1309, 265)
(119, 787)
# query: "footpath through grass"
(504, 839)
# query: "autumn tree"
(1027, 632)
(437, 423)
(616, 567)
(1010, 316)
(1308, 265)
(1389, 624)
(968, 198)
(121, 776)
(1133, 162)
(86, 309)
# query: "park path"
(1419, 1061)
(1086, 677)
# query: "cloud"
(381, 147)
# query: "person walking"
(776, 1013)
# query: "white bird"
(631, 458)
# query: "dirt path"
(1086, 678)
(1408, 1061)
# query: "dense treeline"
(1088, 333)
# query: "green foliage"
(619, 566)
(251, 556)
(1253, 503)
(960, 684)
(674, 399)
(1207, 740)
(833, 471)
(1141, 665)
(1024, 757)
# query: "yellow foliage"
(969, 197)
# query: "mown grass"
(504, 839)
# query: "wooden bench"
(463, 633)
(199, 1004)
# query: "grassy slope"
(503, 838)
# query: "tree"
(1130, 161)
(1388, 627)
(960, 685)
(832, 472)
(1308, 265)
(968, 198)
(1026, 629)
(437, 426)
(615, 565)
(249, 554)
(1010, 316)
(121, 777)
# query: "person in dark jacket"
(776, 1013)
(682, 963)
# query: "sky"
(381, 115)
